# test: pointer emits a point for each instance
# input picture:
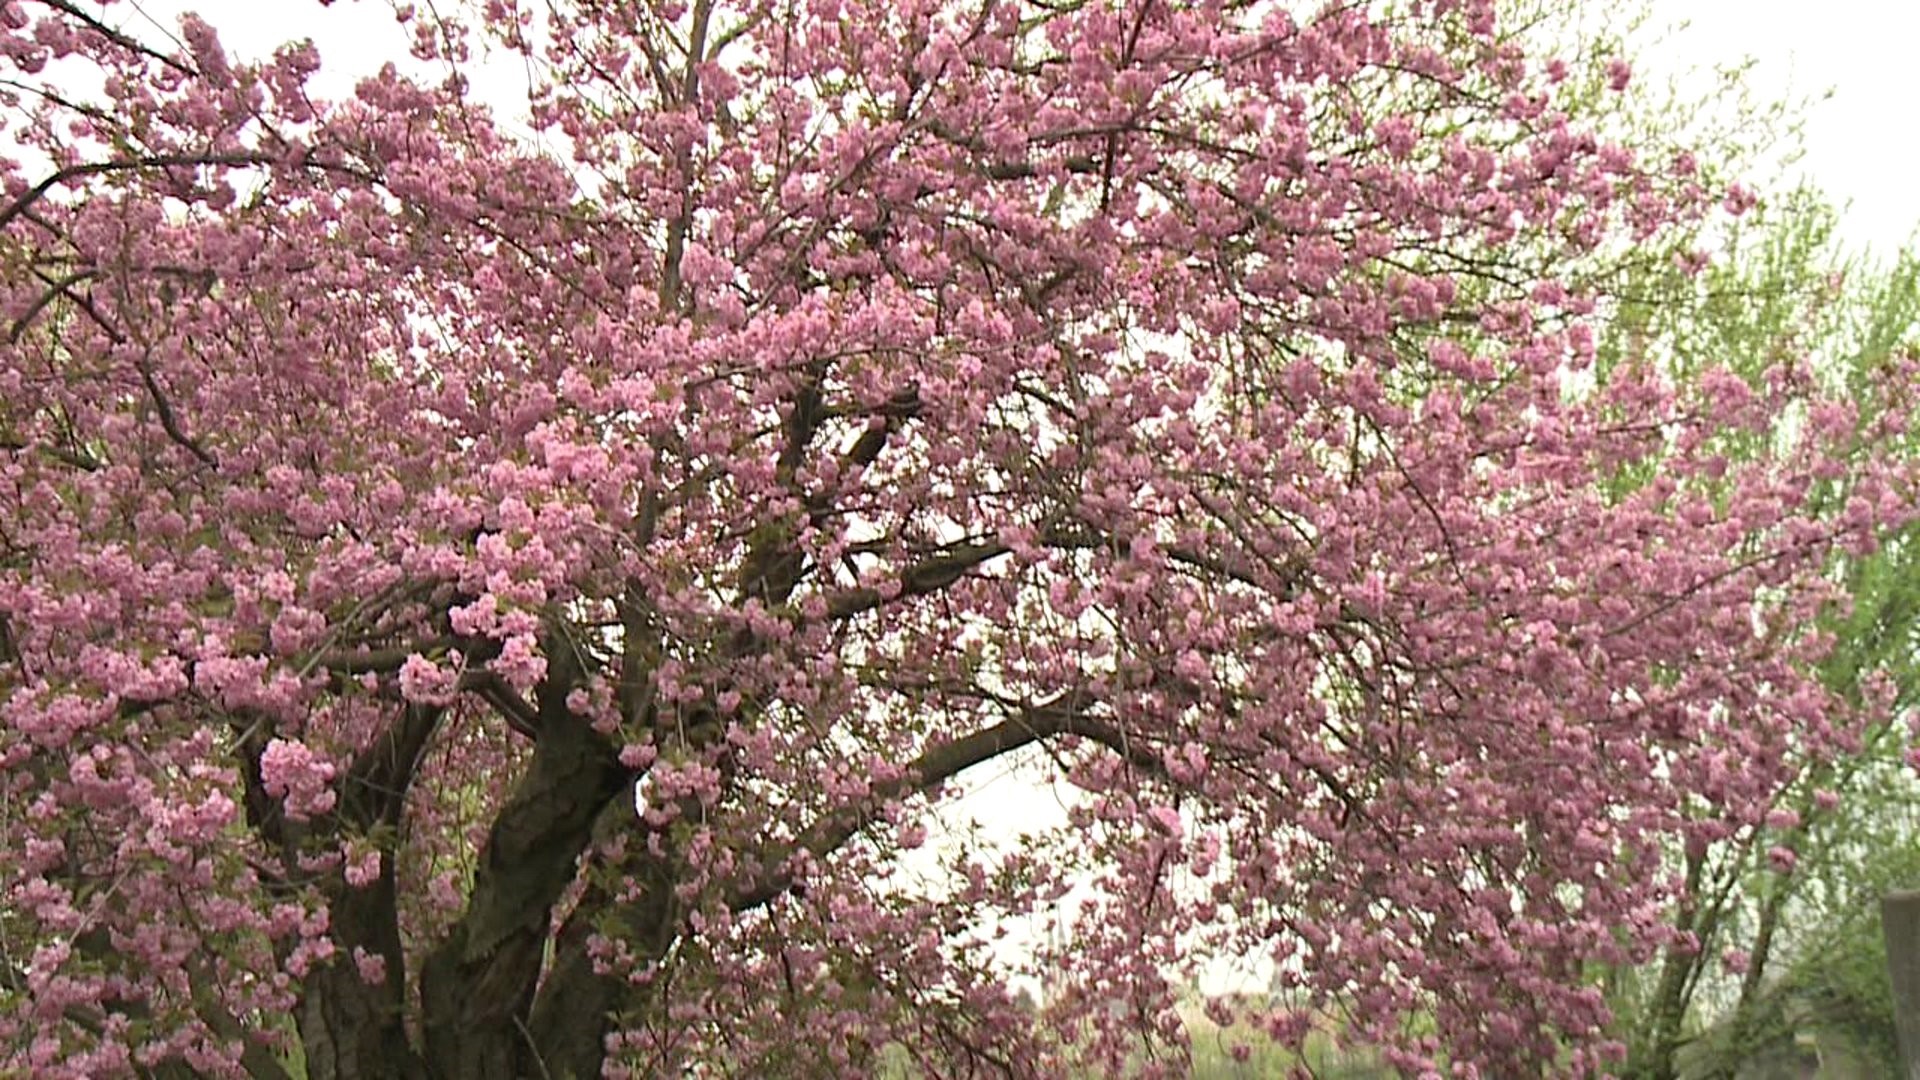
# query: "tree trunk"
(576, 1007)
(1745, 1020)
(348, 1033)
(1652, 1058)
(476, 987)
(353, 1029)
(574, 1012)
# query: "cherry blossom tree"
(475, 605)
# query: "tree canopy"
(478, 605)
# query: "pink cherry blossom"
(295, 773)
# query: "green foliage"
(1828, 984)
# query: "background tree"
(1188, 393)
(1764, 958)
(1783, 288)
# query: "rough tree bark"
(477, 986)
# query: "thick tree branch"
(774, 566)
(375, 787)
(477, 985)
(523, 718)
(928, 576)
(942, 569)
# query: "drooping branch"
(1069, 714)
(201, 281)
(83, 303)
(256, 1059)
(124, 41)
(236, 159)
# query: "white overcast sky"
(1862, 145)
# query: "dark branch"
(520, 716)
(55, 289)
(168, 421)
(238, 159)
(375, 787)
(123, 40)
(84, 303)
(1065, 715)
(930, 575)
(774, 565)
(943, 569)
